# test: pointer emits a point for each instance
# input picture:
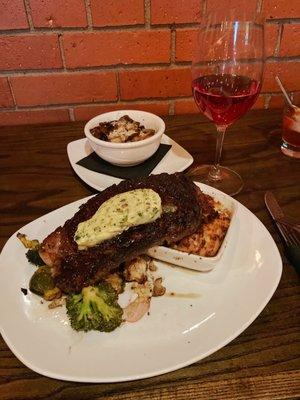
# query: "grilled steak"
(74, 269)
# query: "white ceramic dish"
(177, 159)
(193, 261)
(224, 303)
(130, 153)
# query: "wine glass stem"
(215, 173)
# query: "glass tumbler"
(291, 132)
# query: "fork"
(288, 229)
(288, 223)
(289, 232)
(292, 241)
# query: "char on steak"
(73, 269)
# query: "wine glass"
(227, 74)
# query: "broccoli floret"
(95, 308)
(34, 258)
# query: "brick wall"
(67, 60)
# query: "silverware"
(288, 229)
(289, 223)
(277, 213)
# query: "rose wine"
(225, 98)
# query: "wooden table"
(263, 362)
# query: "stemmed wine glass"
(227, 74)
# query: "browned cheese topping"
(121, 131)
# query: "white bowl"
(130, 153)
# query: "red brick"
(175, 11)
(155, 83)
(271, 36)
(296, 98)
(115, 12)
(186, 106)
(13, 14)
(281, 9)
(232, 9)
(29, 52)
(110, 48)
(186, 40)
(288, 72)
(6, 99)
(276, 101)
(186, 46)
(57, 13)
(290, 42)
(260, 102)
(60, 88)
(84, 113)
(33, 117)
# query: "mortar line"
(283, 21)
(167, 100)
(278, 41)
(95, 29)
(11, 91)
(118, 86)
(147, 13)
(86, 105)
(62, 51)
(204, 7)
(89, 18)
(152, 100)
(104, 69)
(267, 101)
(180, 65)
(16, 32)
(29, 72)
(259, 6)
(274, 59)
(173, 47)
(138, 27)
(28, 14)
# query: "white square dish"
(193, 261)
(177, 159)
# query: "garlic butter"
(117, 214)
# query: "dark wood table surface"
(263, 362)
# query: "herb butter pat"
(116, 215)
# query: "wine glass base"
(230, 181)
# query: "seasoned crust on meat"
(73, 268)
(207, 239)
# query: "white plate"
(193, 261)
(177, 159)
(213, 309)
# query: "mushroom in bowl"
(123, 148)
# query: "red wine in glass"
(225, 98)
(227, 71)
